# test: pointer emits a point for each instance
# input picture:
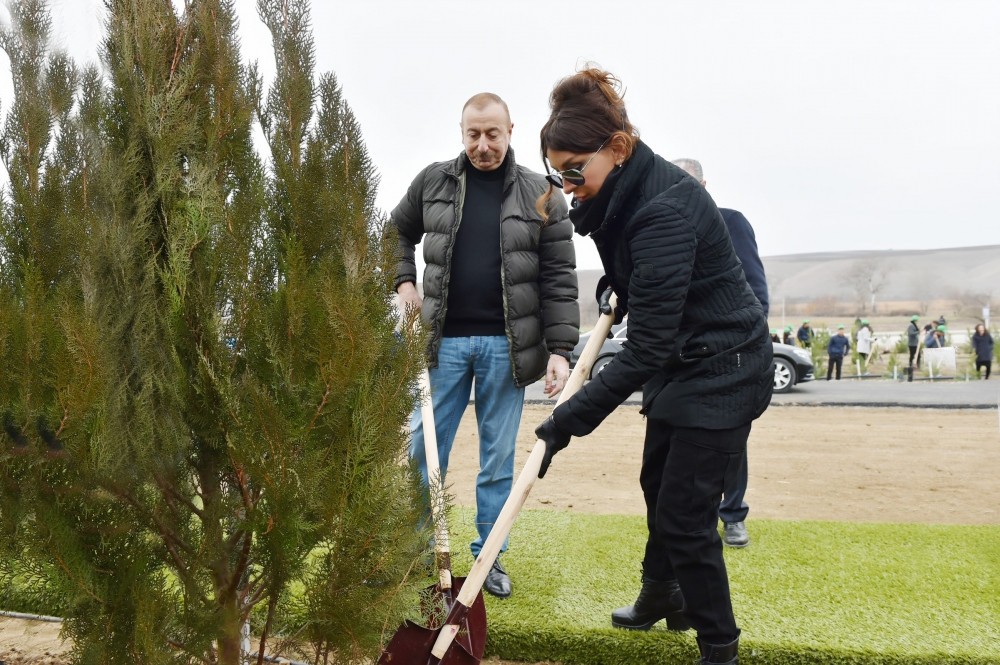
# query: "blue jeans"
(486, 362)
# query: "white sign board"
(940, 361)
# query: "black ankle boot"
(719, 654)
(657, 600)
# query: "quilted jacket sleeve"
(408, 219)
(557, 280)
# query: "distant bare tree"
(971, 303)
(866, 278)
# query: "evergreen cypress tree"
(205, 421)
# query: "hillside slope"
(914, 277)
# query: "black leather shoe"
(498, 581)
(719, 654)
(657, 600)
(734, 534)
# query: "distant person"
(982, 345)
(774, 336)
(865, 338)
(786, 337)
(733, 510)
(805, 335)
(499, 301)
(913, 340)
(839, 346)
(935, 337)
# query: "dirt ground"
(859, 464)
(932, 466)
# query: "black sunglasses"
(572, 176)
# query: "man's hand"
(409, 299)
(555, 440)
(555, 375)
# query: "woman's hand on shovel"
(555, 440)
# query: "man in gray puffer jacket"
(500, 299)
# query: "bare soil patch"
(929, 466)
(859, 464)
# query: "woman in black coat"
(698, 346)
(982, 344)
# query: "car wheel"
(784, 375)
(599, 365)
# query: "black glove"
(555, 440)
(603, 294)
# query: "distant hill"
(948, 280)
(910, 274)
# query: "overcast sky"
(851, 125)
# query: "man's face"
(486, 135)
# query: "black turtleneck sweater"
(475, 291)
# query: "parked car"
(792, 365)
(608, 350)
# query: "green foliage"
(803, 592)
(902, 345)
(818, 349)
(206, 396)
(896, 365)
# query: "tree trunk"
(229, 647)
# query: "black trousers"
(683, 474)
(913, 352)
(984, 363)
(835, 361)
(733, 507)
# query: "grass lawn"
(803, 592)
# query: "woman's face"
(980, 329)
(595, 165)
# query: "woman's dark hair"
(587, 111)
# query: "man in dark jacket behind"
(733, 510)
(805, 335)
(499, 299)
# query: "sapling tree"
(204, 417)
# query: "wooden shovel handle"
(435, 484)
(522, 487)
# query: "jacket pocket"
(652, 390)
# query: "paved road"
(871, 392)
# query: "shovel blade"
(412, 642)
(411, 645)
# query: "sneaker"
(498, 581)
(735, 534)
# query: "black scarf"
(588, 216)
